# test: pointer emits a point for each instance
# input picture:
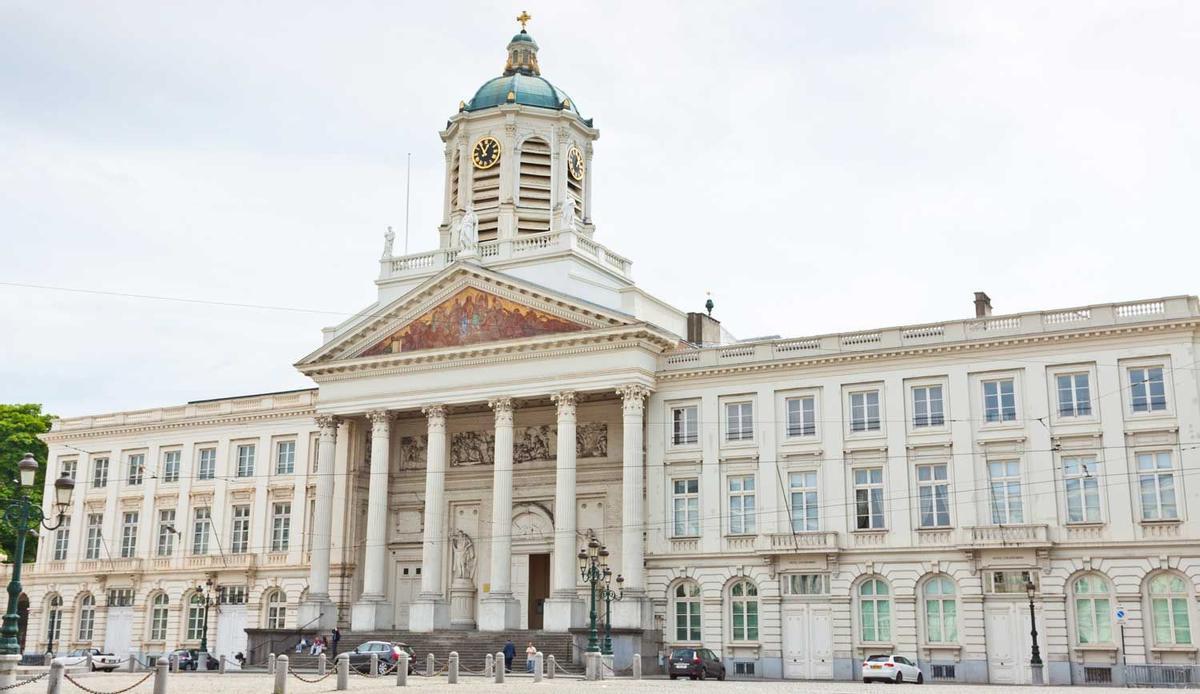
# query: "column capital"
(327, 421)
(379, 417)
(565, 400)
(435, 413)
(503, 407)
(634, 398)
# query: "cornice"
(188, 423)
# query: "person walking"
(337, 636)
(510, 652)
(530, 652)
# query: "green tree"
(19, 429)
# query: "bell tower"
(518, 156)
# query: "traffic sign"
(1120, 615)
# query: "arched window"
(276, 609)
(687, 611)
(53, 621)
(195, 617)
(158, 617)
(1169, 612)
(875, 611)
(87, 618)
(743, 608)
(941, 611)
(1093, 610)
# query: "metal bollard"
(343, 671)
(89, 661)
(55, 680)
(537, 666)
(550, 667)
(452, 669)
(321, 665)
(160, 677)
(430, 663)
(374, 666)
(499, 667)
(637, 666)
(488, 663)
(281, 673)
(222, 667)
(270, 663)
(402, 670)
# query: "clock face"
(575, 164)
(486, 153)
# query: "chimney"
(983, 305)
(703, 329)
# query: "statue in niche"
(464, 556)
(468, 228)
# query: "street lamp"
(609, 595)
(205, 592)
(23, 515)
(592, 565)
(1035, 654)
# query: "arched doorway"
(532, 543)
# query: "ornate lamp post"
(1035, 654)
(23, 515)
(607, 592)
(206, 594)
(592, 565)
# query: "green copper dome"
(521, 83)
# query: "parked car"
(891, 668)
(189, 658)
(106, 662)
(695, 663)
(388, 652)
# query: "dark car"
(695, 663)
(388, 652)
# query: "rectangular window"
(685, 425)
(239, 540)
(120, 597)
(69, 468)
(801, 416)
(99, 473)
(739, 421)
(166, 532)
(864, 411)
(1004, 480)
(927, 407)
(1146, 389)
(158, 620)
(685, 506)
(1081, 477)
(281, 526)
(285, 457)
(1074, 395)
(129, 530)
(171, 466)
(868, 498)
(245, 460)
(232, 595)
(206, 466)
(1156, 485)
(999, 401)
(95, 528)
(1011, 581)
(201, 527)
(61, 537)
(741, 505)
(802, 488)
(137, 468)
(933, 493)
(806, 584)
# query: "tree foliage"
(19, 429)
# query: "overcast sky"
(816, 166)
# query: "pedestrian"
(337, 636)
(300, 646)
(316, 646)
(530, 652)
(510, 652)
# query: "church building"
(793, 505)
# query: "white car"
(100, 661)
(890, 668)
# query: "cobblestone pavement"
(261, 683)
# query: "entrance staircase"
(472, 647)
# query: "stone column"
(373, 611)
(317, 611)
(431, 610)
(564, 609)
(634, 611)
(498, 610)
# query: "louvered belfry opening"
(485, 196)
(533, 215)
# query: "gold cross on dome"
(523, 18)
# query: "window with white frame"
(864, 411)
(281, 526)
(239, 540)
(739, 421)
(201, 527)
(741, 504)
(685, 507)
(1010, 582)
(120, 597)
(1081, 479)
(206, 464)
(54, 619)
(195, 617)
(137, 468)
(1093, 610)
(276, 609)
(1147, 391)
(806, 584)
(171, 466)
(999, 401)
(875, 611)
(166, 532)
(687, 611)
(941, 610)
(95, 528)
(1004, 486)
(743, 608)
(87, 618)
(285, 457)
(159, 609)
(868, 498)
(685, 425)
(99, 473)
(933, 494)
(801, 416)
(928, 410)
(1170, 614)
(69, 468)
(1074, 395)
(62, 537)
(232, 595)
(129, 531)
(802, 491)
(245, 460)
(1156, 486)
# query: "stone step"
(472, 646)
